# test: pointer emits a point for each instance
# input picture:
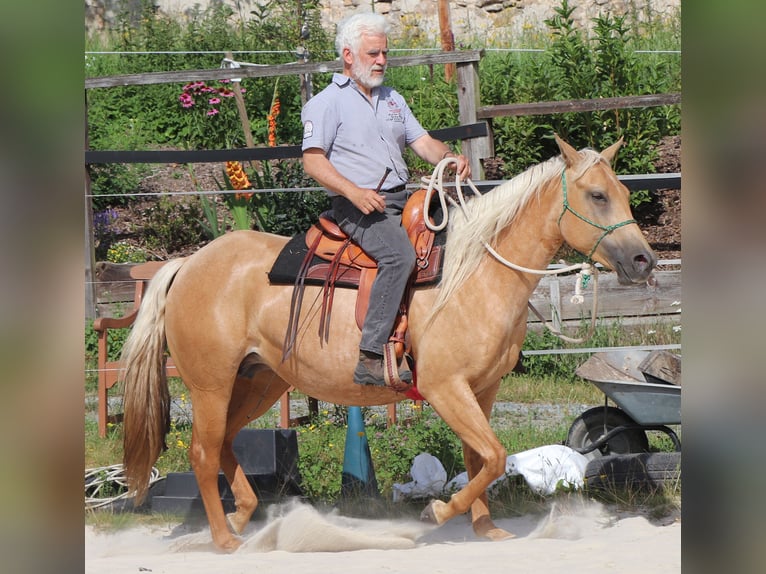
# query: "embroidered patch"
(308, 129)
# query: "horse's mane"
(487, 215)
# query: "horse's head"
(596, 218)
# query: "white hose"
(107, 484)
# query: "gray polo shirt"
(361, 138)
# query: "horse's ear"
(569, 153)
(611, 151)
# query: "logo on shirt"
(394, 111)
(308, 129)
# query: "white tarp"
(543, 468)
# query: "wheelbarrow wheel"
(591, 426)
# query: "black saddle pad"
(288, 263)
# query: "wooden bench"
(109, 371)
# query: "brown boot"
(369, 370)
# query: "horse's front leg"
(484, 456)
(481, 521)
(480, 517)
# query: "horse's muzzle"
(636, 268)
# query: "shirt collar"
(343, 80)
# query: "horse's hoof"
(432, 513)
(230, 544)
(497, 534)
(237, 522)
(484, 528)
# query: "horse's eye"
(598, 196)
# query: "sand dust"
(575, 538)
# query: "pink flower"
(193, 86)
(186, 100)
(214, 101)
(225, 92)
(212, 111)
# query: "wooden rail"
(566, 106)
(268, 71)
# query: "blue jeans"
(383, 238)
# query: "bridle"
(607, 229)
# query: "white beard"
(364, 76)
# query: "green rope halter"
(607, 229)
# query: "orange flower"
(238, 179)
(272, 117)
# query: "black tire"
(650, 470)
(590, 426)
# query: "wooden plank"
(475, 130)
(468, 97)
(651, 181)
(614, 300)
(462, 132)
(193, 156)
(566, 106)
(114, 286)
(266, 71)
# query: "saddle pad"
(288, 262)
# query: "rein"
(585, 270)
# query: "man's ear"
(347, 56)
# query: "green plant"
(394, 448)
(125, 252)
(211, 114)
(171, 225)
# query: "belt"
(396, 189)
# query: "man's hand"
(463, 168)
(368, 200)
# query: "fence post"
(468, 97)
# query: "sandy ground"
(577, 538)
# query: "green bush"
(572, 65)
(575, 66)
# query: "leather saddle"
(332, 257)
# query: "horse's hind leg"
(251, 398)
(208, 432)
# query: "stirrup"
(398, 377)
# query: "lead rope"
(584, 270)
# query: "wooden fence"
(477, 144)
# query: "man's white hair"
(351, 29)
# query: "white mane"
(487, 215)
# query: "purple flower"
(212, 111)
(214, 101)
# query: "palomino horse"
(224, 325)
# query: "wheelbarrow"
(645, 386)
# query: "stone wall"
(474, 22)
